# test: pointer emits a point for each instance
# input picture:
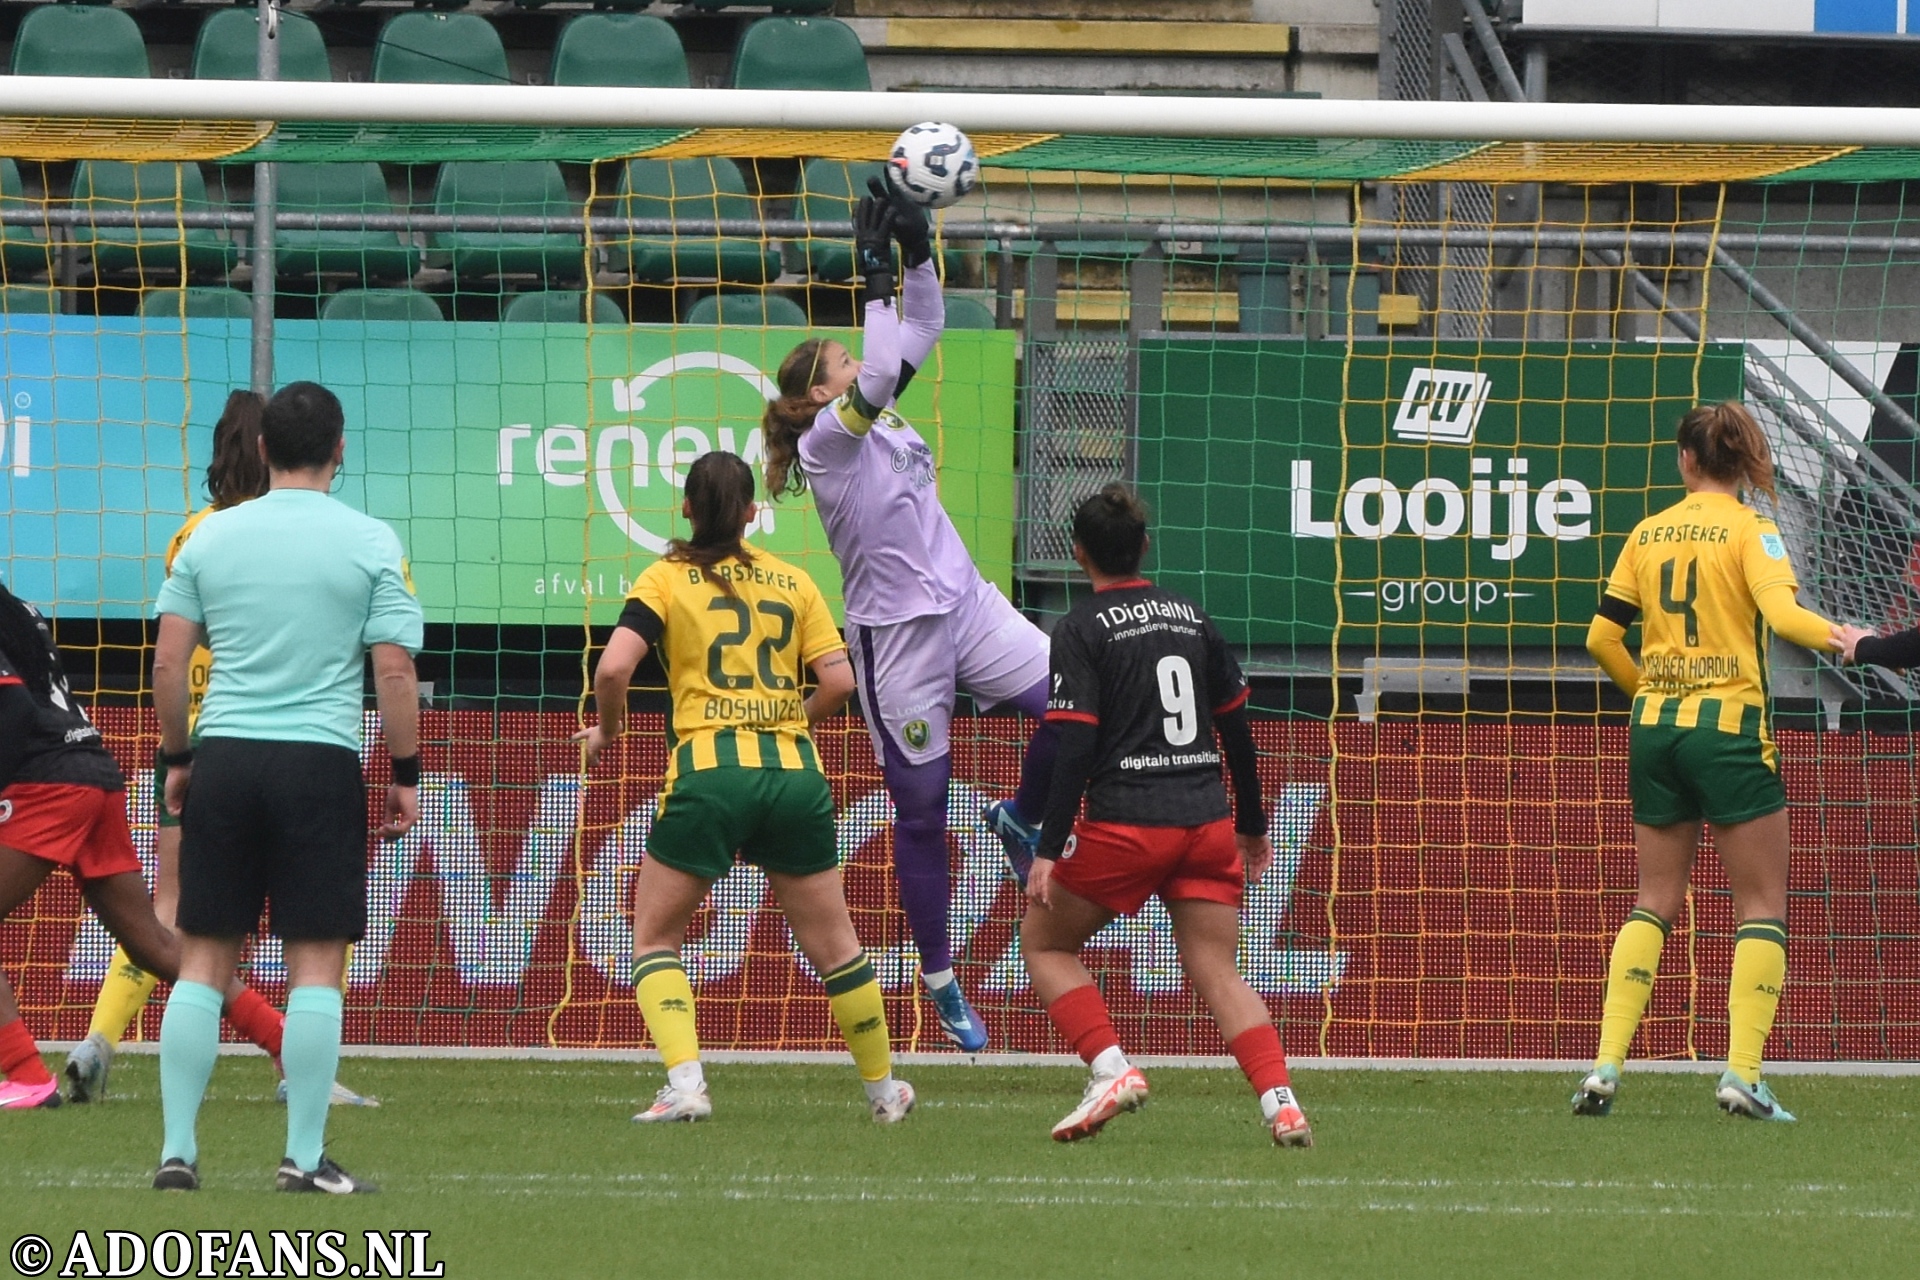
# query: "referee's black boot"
(176, 1174)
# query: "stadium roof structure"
(71, 118)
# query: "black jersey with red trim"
(62, 744)
(1151, 670)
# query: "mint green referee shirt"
(292, 589)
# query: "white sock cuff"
(935, 981)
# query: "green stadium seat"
(626, 49)
(439, 48)
(228, 47)
(340, 188)
(778, 6)
(969, 313)
(115, 184)
(79, 40)
(27, 300)
(693, 190)
(407, 305)
(800, 53)
(828, 190)
(196, 304)
(24, 250)
(562, 306)
(505, 188)
(749, 310)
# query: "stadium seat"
(24, 250)
(439, 48)
(228, 47)
(828, 189)
(115, 184)
(969, 313)
(340, 188)
(79, 40)
(28, 300)
(694, 190)
(800, 53)
(505, 188)
(628, 49)
(562, 306)
(746, 309)
(409, 305)
(196, 304)
(778, 6)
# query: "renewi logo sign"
(636, 467)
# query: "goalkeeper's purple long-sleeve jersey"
(873, 479)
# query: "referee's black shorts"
(274, 822)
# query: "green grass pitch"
(532, 1169)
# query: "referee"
(291, 591)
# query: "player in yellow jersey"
(1707, 578)
(736, 630)
(236, 473)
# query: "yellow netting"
(47, 138)
(1622, 162)
(801, 143)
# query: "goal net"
(1395, 403)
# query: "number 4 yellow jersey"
(1693, 571)
(735, 661)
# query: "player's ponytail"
(788, 417)
(236, 472)
(719, 496)
(1727, 445)
(26, 648)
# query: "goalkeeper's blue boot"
(1754, 1101)
(1018, 839)
(957, 1018)
(1594, 1097)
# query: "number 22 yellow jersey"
(1693, 571)
(735, 660)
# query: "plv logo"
(20, 454)
(1442, 405)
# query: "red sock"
(1081, 1015)
(20, 1056)
(1258, 1051)
(257, 1020)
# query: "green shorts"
(777, 819)
(1684, 775)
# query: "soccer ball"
(935, 165)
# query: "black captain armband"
(1617, 611)
(642, 621)
(406, 770)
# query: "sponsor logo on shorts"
(917, 733)
(6, 810)
(1067, 850)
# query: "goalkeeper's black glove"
(909, 219)
(873, 248)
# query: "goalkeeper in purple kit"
(922, 624)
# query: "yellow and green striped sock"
(854, 994)
(1630, 972)
(666, 1001)
(1753, 994)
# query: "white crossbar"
(552, 106)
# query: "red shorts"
(83, 829)
(1119, 867)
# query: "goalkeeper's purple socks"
(920, 859)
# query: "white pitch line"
(1150, 1062)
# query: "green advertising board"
(531, 470)
(1437, 494)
